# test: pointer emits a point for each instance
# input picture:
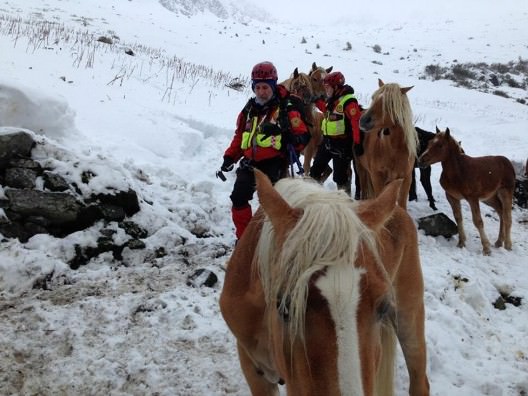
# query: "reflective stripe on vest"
(334, 123)
(255, 138)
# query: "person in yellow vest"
(269, 129)
(341, 133)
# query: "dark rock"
(438, 224)
(15, 145)
(20, 178)
(54, 182)
(202, 277)
(128, 200)
(15, 230)
(520, 194)
(84, 254)
(59, 208)
(500, 304)
(135, 244)
(106, 40)
(112, 212)
(160, 252)
(86, 176)
(133, 229)
(25, 163)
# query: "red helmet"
(334, 79)
(264, 71)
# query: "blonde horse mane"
(329, 233)
(396, 105)
(299, 84)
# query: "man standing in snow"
(341, 133)
(266, 126)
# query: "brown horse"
(490, 179)
(390, 142)
(316, 287)
(299, 84)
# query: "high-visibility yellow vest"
(255, 137)
(334, 122)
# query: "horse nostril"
(364, 122)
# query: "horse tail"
(385, 375)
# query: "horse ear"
(296, 73)
(438, 129)
(448, 132)
(281, 214)
(380, 83)
(314, 67)
(406, 89)
(329, 69)
(376, 212)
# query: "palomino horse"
(316, 287)
(317, 75)
(490, 179)
(390, 142)
(299, 84)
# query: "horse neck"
(397, 138)
(453, 161)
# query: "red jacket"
(267, 113)
(351, 111)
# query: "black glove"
(269, 129)
(228, 164)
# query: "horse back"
(478, 177)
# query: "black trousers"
(244, 186)
(341, 162)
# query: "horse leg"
(402, 198)
(496, 204)
(308, 154)
(506, 198)
(357, 180)
(425, 180)
(477, 221)
(255, 378)
(412, 190)
(457, 213)
(410, 321)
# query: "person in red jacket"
(269, 128)
(341, 133)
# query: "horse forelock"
(396, 105)
(328, 234)
(301, 86)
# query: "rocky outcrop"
(38, 200)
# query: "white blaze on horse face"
(341, 287)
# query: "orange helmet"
(264, 71)
(334, 79)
